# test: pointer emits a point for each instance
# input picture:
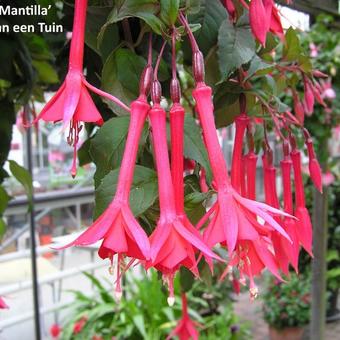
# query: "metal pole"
(32, 238)
(319, 265)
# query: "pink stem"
(184, 305)
(78, 34)
(139, 110)
(177, 160)
(165, 186)
(106, 95)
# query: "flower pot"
(294, 333)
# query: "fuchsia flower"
(174, 240)
(309, 96)
(3, 304)
(186, 328)
(304, 225)
(119, 229)
(79, 325)
(314, 166)
(314, 51)
(55, 331)
(327, 90)
(72, 104)
(260, 14)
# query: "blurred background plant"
(144, 313)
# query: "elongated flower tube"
(273, 200)
(186, 328)
(72, 104)
(250, 161)
(291, 249)
(120, 231)
(241, 123)
(175, 240)
(3, 304)
(304, 225)
(233, 215)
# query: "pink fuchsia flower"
(55, 331)
(3, 304)
(309, 96)
(250, 258)
(304, 225)
(298, 108)
(79, 325)
(327, 91)
(314, 51)
(186, 328)
(327, 178)
(175, 240)
(72, 104)
(314, 166)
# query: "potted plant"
(286, 307)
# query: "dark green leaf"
(236, 46)
(292, 48)
(143, 192)
(46, 72)
(169, 11)
(143, 9)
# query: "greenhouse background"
(69, 293)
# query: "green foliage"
(145, 314)
(287, 304)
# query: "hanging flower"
(72, 104)
(186, 328)
(55, 331)
(3, 304)
(79, 325)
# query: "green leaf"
(292, 47)
(120, 77)
(46, 72)
(143, 9)
(107, 147)
(193, 144)
(2, 228)
(83, 153)
(4, 199)
(24, 177)
(169, 11)
(210, 16)
(143, 192)
(236, 46)
(138, 320)
(257, 64)
(333, 274)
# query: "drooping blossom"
(117, 227)
(298, 108)
(79, 325)
(3, 304)
(55, 331)
(186, 328)
(304, 225)
(233, 218)
(327, 90)
(327, 178)
(314, 51)
(250, 161)
(308, 96)
(174, 240)
(72, 103)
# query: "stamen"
(72, 140)
(118, 289)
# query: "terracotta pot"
(294, 333)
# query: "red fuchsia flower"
(298, 108)
(291, 249)
(55, 331)
(119, 229)
(251, 257)
(3, 304)
(79, 325)
(275, 23)
(186, 328)
(72, 104)
(309, 96)
(233, 217)
(175, 240)
(230, 7)
(314, 166)
(250, 161)
(304, 225)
